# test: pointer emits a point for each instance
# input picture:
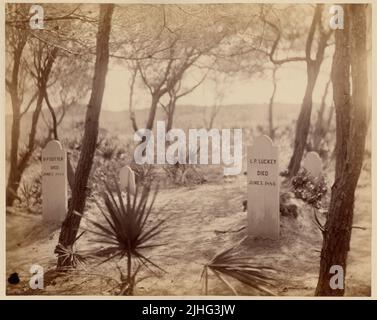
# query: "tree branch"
(275, 45)
(315, 21)
(31, 101)
(53, 115)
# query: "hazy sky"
(290, 88)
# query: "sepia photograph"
(186, 149)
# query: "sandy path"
(194, 233)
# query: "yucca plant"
(127, 231)
(75, 257)
(144, 174)
(108, 149)
(230, 263)
(31, 193)
(26, 193)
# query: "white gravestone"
(313, 164)
(263, 189)
(54, 182)
(127, 180)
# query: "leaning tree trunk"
(351, 127)
(303, 121)
(72, 222)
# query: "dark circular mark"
(13, 278)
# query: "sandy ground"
(203, 220)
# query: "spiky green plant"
(127, 231)
(76, 258)
(230, 264)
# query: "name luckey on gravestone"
(263, 189)
(54, 182)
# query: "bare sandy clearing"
(203, 221)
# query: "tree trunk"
(312, 67)
(54, 129)
(72, 222)
(152, 112)
(351, 121)
(14, 176)
(303, 122)
(320, 129)
(130, 101)
(170, 115)
(271, 106)
(23, 160)
(329, 118)
(25, 157)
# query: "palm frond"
(76, 258)
(230, 264)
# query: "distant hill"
(190, 116)
(118, 123)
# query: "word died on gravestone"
(262, 173)
(53, 167)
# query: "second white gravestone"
(127, 180)
(263, 189)
(313, 164)
(54, 182)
